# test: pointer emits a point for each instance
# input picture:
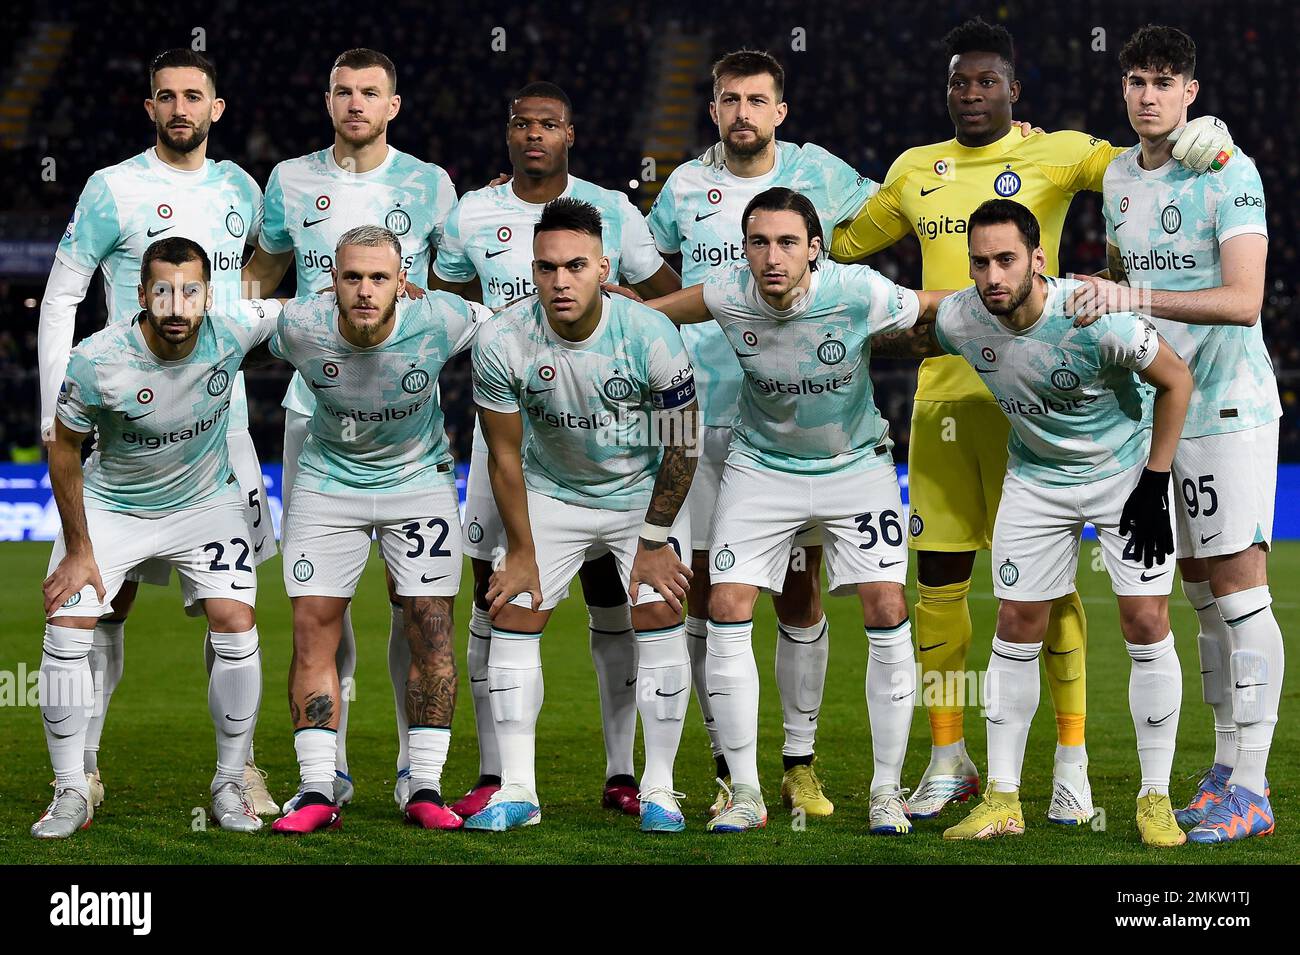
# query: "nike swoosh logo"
(1206, 540)
(308, 223)
(663, 694)
(1151, 722)
(899, 699)
(933, 646)
(813, 718)
(995, 722)
(137, 417)
(240, 719)
(493, 255)
(50, 722)
(481, 679)
(317, 384)
(1061, 653)
(260, 545)
(631, 682)
(926, 192)
(985, 371)
(502, 689)
(746, 354)
(426, 579)
(884, 564)
(240, 587)
(1144, 577)
(539, 391)
(151, 233)
(1244, 686)
(700, 218)
(1118, 224)
(719, 693)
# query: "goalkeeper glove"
(1145, 519)
(715, 156)
(1203, 144)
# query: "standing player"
(487, 254)
(596, 376)
(376, 462)
(1193, 249)
(810, 445)
(697, 214)
(958, 456)
(1086, 446)
(171, 189)
(158, 390)
(310, 202)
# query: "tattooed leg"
(430, 691)
(314, 691)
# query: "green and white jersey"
(161, 424)
(377, 426)
(806, 401)
(588, 405)
(312, 200)
(697, 213)
(124, 209)
(1169, 224)
(1078, 413)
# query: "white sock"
(428, 753)
(315, 748)
(515, 683)
(1011, 692)
(1215, 647)
(949, 754)
(346, 662)
(399, 671)
(663, 691)
(480, 643)
(1257, 664)
(1155, 695)
(732, 690)
(67, 698)
(107, 657)
(697, 645)
(234, 699)
(613, 651)
(801, 654)
(891, 698)
(1071, 754)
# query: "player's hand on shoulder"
(1095, 297)
(1028, 129)
(658, 566)
(74, 572)
(620, 290)
(412, 291)
(501, 179)
(516, 575)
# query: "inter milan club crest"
(915, 525)
(234, 224)
(1064, 380)
(1171, 220)
(475, 532)
(618, 388)
(413, 382)
(218, 382)
(302, 570)
(1007, 184)
(397, 222)
(831, 352)
(1009, 573)
(725, 559)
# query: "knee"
(731, 604)
(1022, 622)
(429, 627)
(234, 646)
(654, 616)
(1145, 624)
(883, 605)
(229, 616)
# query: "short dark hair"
(749, 63)
(174, 250)
(1159, 48)
(978, 36)
(182, 57)
(568, 214)
(544, 90)
(998, 211)
(363, 58)
(781, 199)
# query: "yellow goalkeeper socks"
(1064, 656)
(943, 635)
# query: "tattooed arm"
(656, 564)
(915, 342)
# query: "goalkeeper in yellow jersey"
(958, 451)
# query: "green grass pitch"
(157, 753)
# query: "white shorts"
(327, 541)
(295, 436)
(859, 515)
(565, 536)
(1037, 532)
(484, 534)
(1224, 490)
(257, 516)
(207, 544)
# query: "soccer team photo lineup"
(632, 424)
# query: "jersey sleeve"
(94, 231)
(79, 399)
(944, 321)
(671, 377)
(256, 202)
(879, 223)
(256, 320)
(1240, 208)
(890, 307)
(444, 200)
(493, 383)
(453, 263)
(295, 313)
(1127, 340)
(638, 257)
(464, 319)
(273, 236)
(1075, 161)
(849, 190)
(662, 221)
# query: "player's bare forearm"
(69, 488)
(683, 307)
(504, 436)
(1114, 265)
(471, 291)
(663, 282)
(263, 273)
(676, 471)
(916, 342)
(930, 300)
(258, 357)
(1173, 384)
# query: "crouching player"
(375, 461)
(157, 390)
(596, 376)
(1085, 446)
(809, 449)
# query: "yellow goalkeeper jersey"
(932, 190)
